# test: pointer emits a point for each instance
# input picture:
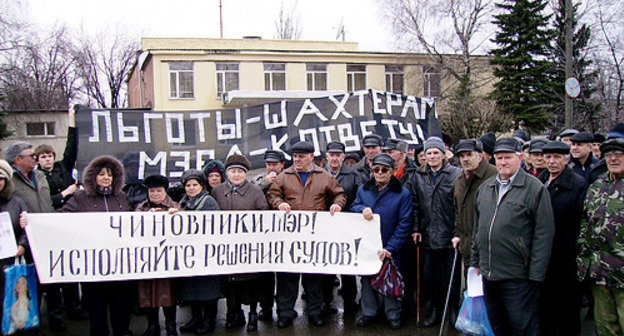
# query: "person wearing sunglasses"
(384, 195)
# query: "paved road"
(338, 325)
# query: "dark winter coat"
(90, 199)
(512, 239)
(199, 288)
(157, 292)
(60, 177)
(363, 169)
(567, 194)
(585, 169)
(350, 181)
(465, 194)
(434, 211)
(394, 207)
(36, 197)
(14, 206)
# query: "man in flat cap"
(559, 306)
(434, 223)
(404, 168)
(349, 180)
(274, 161)
(601, 168)
(371, 144)
(583, 160)
(303, 186)
(512, 239)
(538, 165)
(475, 170)
(565, 135)
(601, 241)
(351, 159)
(598, 140)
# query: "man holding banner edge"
(304, 186)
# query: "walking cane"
(448, 294)
(418, 284)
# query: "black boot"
(170, 320)
(196, 319)
(252, 324)
(235, 319)
(153, 327)
(210, 317)
(432, 319)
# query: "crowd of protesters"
(541, 220)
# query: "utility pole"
(568, 60)
(221, 17)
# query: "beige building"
(204, 73)
(37, 127)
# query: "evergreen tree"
(586, 109)
(521, 61)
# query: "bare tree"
(288, 23)
(453, 33)
(440, 27)
(103, 62)
(39, 74)
(609, 59)
(11, 26)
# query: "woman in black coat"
(202, 292)
(103, 181)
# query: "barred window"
(181, 80)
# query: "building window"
(227, 78)
(181, 80)
(317, 76)
(431, 81)
(274, 76)
(394, 78)
(356, 77)
(40, 129)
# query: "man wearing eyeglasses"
(601, 241)
(30, 184)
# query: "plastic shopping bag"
(389, 282)
(21, 308)
(473, 319)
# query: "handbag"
(473, 319)
(389, 282)
(21, 308)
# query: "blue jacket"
(394, 207)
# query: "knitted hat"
(489, 141)
(237, 161)
(616, 132)
(6, 171)
(434, 142)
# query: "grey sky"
(200, 18)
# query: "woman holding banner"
(236, 193)
(103, 180)
(202, 292)
(157, 293)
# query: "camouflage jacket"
(601, 239)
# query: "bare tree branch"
(288, 23)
